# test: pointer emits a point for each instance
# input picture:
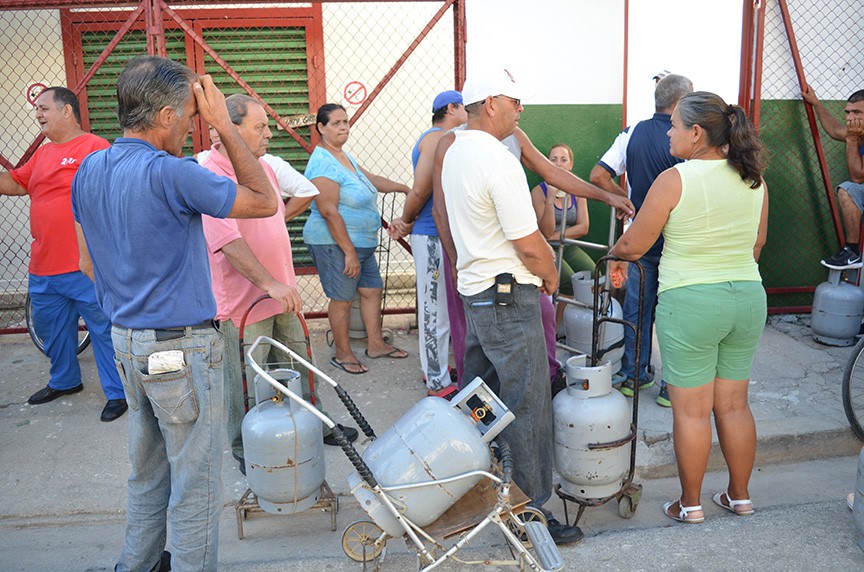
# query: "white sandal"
(683, 512)
(718, 500)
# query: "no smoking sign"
(354, 93)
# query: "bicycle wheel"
(83, 334)
(853, 390)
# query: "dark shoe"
(348, 432)
(663, 396)
(165, 562)
(559, 382)
(842, 260)
(240, 461)
(563, 534)
(113, 410)
(48, 393)
(627, 386)
(444, 393)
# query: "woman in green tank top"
(713, 212)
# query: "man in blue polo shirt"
(139, 207)
(642, 152)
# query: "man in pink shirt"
(248, 258)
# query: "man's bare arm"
(567, 181)
(243, 260)
(9, 187)
(835, 128)
(601, 177)
(296, 205)
(255, 197)
(439, 207)
(537, 256)
(85, 265)
(854, 160)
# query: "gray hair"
(669, 90)
(148, 84)
(238, 106)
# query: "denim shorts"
(710, 330)
(856, 192)
(330, 262)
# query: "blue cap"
(445, 98)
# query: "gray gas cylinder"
(838, 307)
(433, 440)
(587, 412)
(579, 320)
(283, 445)
(858, 506)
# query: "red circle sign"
(33, 92)
(355, 93)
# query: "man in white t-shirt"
(504, 264)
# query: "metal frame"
(750, 91)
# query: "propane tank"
(589, 411)
(579, 319)
(434, 440)
(838, 307)
(283, 444)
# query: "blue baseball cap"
(445, 98)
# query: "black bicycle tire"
(856, 361)
(37, 341)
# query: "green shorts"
(710, 330)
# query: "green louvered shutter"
(272, 61)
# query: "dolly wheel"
(526, 514)
(627, 506)
(358, 541)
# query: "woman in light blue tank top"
(713, 212)
(342, 234)
(549, 205)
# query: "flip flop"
(389, 354)
(341, 365)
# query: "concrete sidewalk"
(63, 506)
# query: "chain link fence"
(295, 57)
(801, 230)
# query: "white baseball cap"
(482, 84)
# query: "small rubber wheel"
(526, 514)
(627, 507)
(388, 336)
(358, 541)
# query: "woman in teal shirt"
(342, 234)
(713, 212)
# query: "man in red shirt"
(59, 291)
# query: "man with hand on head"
(139, 207)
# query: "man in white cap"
(504, 264)
(448, 112)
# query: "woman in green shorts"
(713, 212)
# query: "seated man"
(850, 194)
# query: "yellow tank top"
(710, 234)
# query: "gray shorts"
(856, 192)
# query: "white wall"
(569, 51)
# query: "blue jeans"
(175, 448)
(505, 346)
(57, 302)
(650, 265)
